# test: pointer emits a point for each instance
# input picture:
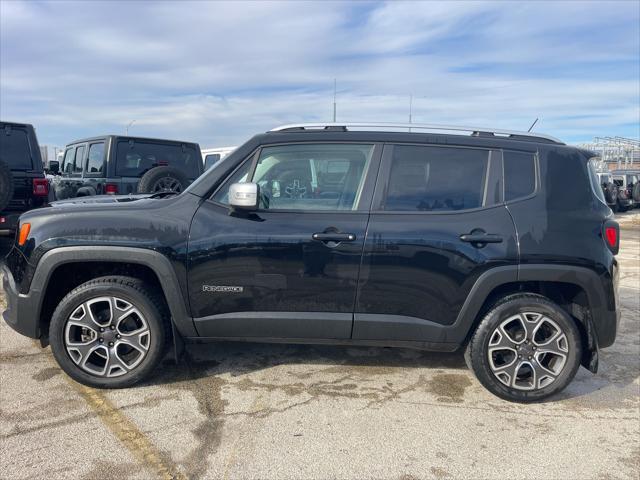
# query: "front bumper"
(21, 312)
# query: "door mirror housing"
(53, 167)
(244, 196)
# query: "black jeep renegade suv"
(342, 234)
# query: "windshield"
(14, 149)
(135, 158)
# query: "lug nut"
(519, 356)
(111, 345)
(534, 347)
(118, 336)
(113, 327)
(101, 340)
(101, 329)
(529, 357)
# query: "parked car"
(628, 180)
(212, 156)
(22, 182)
(114, 164)
(616, 199)
(334, 235)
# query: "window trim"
(536, 168)
(382, 183)
(366, 191)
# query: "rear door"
(95, 169)
(438, 222)
(289, 270)
(66, 185)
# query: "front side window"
(307, 176)
(431, 179)
(519, 174)
(77, 164)
(135, 158)
(67, 163)
(95, 162)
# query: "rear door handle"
(481, 238)
(334, 237)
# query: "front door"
(290, 269)
(437, 223)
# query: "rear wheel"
(110, 332)
(525, 349)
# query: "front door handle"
(480, 237)
(334, 237)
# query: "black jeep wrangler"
(23, 185)
(123, 165)
(433, 238)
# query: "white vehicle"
(211, 156)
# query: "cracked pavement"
(234, 410)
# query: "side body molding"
(156, 261)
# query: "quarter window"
(430, 179)
(95, 162)
(519, 175)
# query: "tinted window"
(210, 160)
(594, 178)
(95, 162)
(67, 163)
(135, 158)
(77, 164)
(14, 148)
(306, 177)
(519, 175)
(436, 178)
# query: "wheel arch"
(577, 290)
(62, 269)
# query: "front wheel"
(110, 332)
(525, 349)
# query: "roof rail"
(474, 131)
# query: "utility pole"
(334, 100)
(129, 125)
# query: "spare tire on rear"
(163, 179)
(6, 185)
(610, 192)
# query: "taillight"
(111, 189)
(40, 187)
(611, 234)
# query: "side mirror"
(54, 167)
(244, 196)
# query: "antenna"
(534, 122)
(334, 99)
(129, 126)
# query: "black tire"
(127, 290)
(610, 192)
(478, 350)
(6, 185)
(163, 179)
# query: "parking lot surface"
(277, 411)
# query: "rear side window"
(597, 181)
(430, 179)
(519, 175)
(95, 162)
(135, 158)
(14, 148)
(77, 164)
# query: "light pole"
(129, 125)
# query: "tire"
(610, 192)
(163, 179)
(6, 185)
(542, 374)
(98, 368)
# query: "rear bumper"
(9, 223)
(21, 312)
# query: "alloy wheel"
(528, 351)
(107, 336)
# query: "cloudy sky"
(216, 72)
